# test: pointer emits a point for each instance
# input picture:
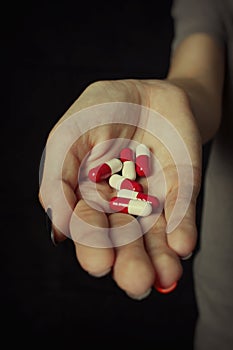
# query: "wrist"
(205, 107)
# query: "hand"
(154, 256)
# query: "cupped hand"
(147, 255)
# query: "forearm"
(198, 68)
(205, 107)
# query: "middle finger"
(133, 270)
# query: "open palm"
(137, 254)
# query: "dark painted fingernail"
(49, 226)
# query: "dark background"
(55, 50)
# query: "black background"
(54, 51)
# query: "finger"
(133, 270)
(89, 231)
(168, 269)
(184, 237)
(55, 237)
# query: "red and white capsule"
(140, 196)
(143, 166)
(130, 206)
(127, 157)
(120, 182)
(105, 170)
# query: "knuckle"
(99, 84)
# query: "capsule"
(105, 170)
(142, 160)
(126, 154)
(130, 206)
(128, 170)
(120, 182)
(127, 157)
(140, 196)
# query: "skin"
(193, 88)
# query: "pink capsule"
(142, 160)
(140, 196)
(120, 182)
(105, 170)
(126, 154)
(130, 206)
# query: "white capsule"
(130, 206)
(120, 182)
(128, 170)
(115, 164)
(115, 181)
(139, 208)
(125, 193)
(142, 150)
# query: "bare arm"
(197, 66)
(195, 80)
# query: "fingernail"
(140, 297)
(187, 256)
(100, 274)
(165, 290)
(49, 226)
(53, 239)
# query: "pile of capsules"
(122, 174)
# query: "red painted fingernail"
(165, 290)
